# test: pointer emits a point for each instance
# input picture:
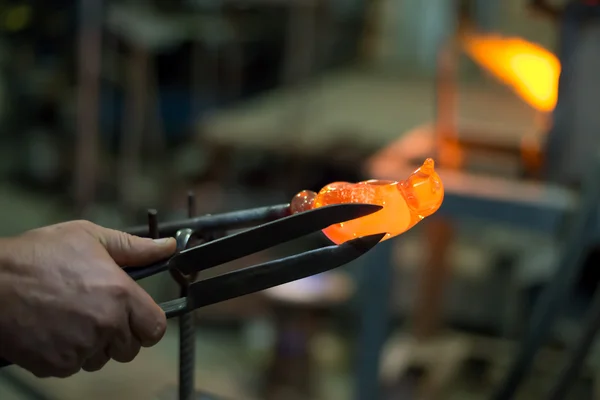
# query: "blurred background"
(109, 107)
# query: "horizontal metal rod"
(217, 222)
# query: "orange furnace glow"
(529, 69)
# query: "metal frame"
(535, 207)
(558, 290)
(544, 213)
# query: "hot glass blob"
(405, 203)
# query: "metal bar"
(88, 93)
(187, 356)
(374, 294)
(446, 102)
(153, 224)
(174, 308)
(434, 275)
(132, 134)
(526, 204)
(187, 333)
(226, 221)
(531, 215)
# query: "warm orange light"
(404, 203)
(529, 69)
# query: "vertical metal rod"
(187, 335)
(156, 125)
(88, 93)
(134, 123)
(187, 348)
(300, 54)
(191, 205)
(433, 280)
(446, 142)
(372, 33)
(374, 293)
(153, 224)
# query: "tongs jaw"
(270, 274)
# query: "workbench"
(372, 109)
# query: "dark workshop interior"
(109, 108)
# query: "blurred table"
(369, 108)
(521, 203)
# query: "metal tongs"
(283, 228)
(262, 276)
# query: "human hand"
(65, 303)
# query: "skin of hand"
(66, 304)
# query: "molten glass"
(405, 203)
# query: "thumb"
(133, 251)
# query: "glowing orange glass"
(405, 203)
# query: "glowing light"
(529, 69)
(405, 203)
